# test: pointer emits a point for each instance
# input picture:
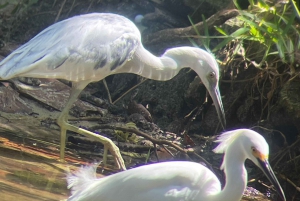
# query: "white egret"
(180, 181)
(87, 48)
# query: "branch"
(179, 34)
(153, 140)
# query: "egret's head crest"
(253, 145)
(225, 140)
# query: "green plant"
(266, 36)
(272, 26)
(127, 136)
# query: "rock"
(55, 94)
(10, 101)
(289, 97)
(134, 107)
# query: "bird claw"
(115, 151)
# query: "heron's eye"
(212, 75)
(255, 152)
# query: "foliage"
(273, 27)
(267, 36)
(126, 136)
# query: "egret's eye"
(212, 75)
(257, 154)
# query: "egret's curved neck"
(148, 65)
(236, 176)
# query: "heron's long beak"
(266, 168)
(216, 97)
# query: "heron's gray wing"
(93, 41)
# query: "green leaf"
(280, 48)
(193, 25)
(221, 31)
(263, 4)
(3, 5)
(236, 4)
(289, 23)
(193, 42)
(148, 156)
(222, 44)
(290, 48)
(16, 9)
(296, 8)
(30, 2)
(239, 32)
(205, 41)
(251, 3)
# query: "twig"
(85, 119)
(155, 152)
(92, 1)
(237, 81)
(167, 150)
(273, 130)
(135, 86)
(192, 117)
(54, 3)
(8, 121)
(59, 12)
(289, 181)
(153, 140)
(284, 152)
(165, 37)
(107, 90)
(71, 8)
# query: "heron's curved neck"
(148, 65)
(236, 176)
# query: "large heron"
(180, 181)
(87, 48)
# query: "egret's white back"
(173, 181)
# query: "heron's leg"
(62, 121)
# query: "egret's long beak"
(216, 97)
(266, 168)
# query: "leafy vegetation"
(127, 136)
(271, 27)
(265, 35)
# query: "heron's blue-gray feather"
(79, 40)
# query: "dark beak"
(216, 97)
(266, 168)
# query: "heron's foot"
(108, 143)
(115, 151)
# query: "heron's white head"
(138, 19)
(207, 68)
(138, 22)
(251, 145)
